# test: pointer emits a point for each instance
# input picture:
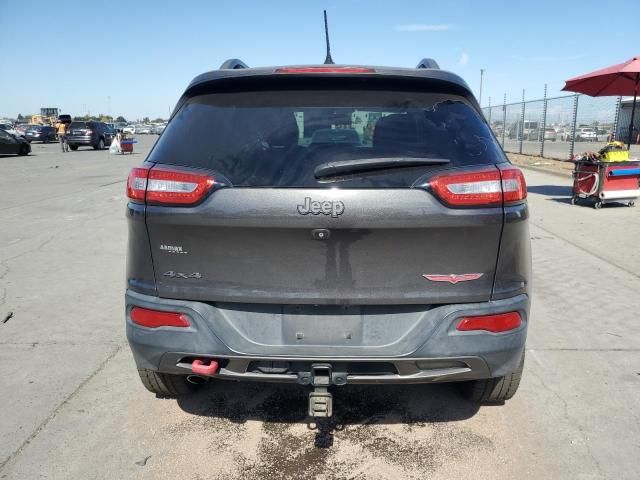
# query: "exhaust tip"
(196, 379)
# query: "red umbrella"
(621, 79)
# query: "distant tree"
(121, 119)
(158, 120)
(145, 119)
(20, 117)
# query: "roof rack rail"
(428, 63)
(233, 64)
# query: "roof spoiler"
(428, 63)
(233, 64)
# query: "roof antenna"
(328, 60)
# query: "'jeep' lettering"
(326, 208)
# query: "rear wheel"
(73, 147)
(100, 145)
(165, 384)
(24, 150)
(493, 390)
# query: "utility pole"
(481, 75)
(109, 107)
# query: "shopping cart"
(606, 182)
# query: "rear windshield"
(79, 125)
(277, 139)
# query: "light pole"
(109, 107)
(481, 76)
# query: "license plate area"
(322, 325)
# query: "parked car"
(129, 129)
(527, 132)
(255, 255)
(12, 144)
(41, 133)
(64, 118)
(22, 128)
(549, 135)
(158, 129)
(586, 135)
(7, 127)
(143, 129)
(92, 134)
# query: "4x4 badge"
(325, 208)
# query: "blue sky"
(135, 58)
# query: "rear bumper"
(80, 140)
(253, 345)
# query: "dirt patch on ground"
(563, 167)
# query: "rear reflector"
(155, 318)
(168, 186)
(325, 70)
(502, 322)
(481, 188)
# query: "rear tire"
(494, 390)
(73, 147)
(24, 150)
(100, 145)
(165, 384)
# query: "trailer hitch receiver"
(320, 400)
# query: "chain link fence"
(555, 127)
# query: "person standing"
(62, 136)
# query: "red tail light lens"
(167, 186)
(137, 183)
(471, 189)
(325, 70)
(155, 318)
(481, 188)
(514, 185)
(502, 322)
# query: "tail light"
(88, 132)
(155, 318)
(168, 186)
(514, 186)
(481, 188)
(325, 70)
(502, 322)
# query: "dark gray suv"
(91, 134)
(327, 225)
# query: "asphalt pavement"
(71, 405)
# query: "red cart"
(606, 182)
(126, 146)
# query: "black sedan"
(10, 144)
(40, 133)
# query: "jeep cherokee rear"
(328, 225)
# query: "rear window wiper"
(330, 169)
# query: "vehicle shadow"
(560, 193)
(352, 405)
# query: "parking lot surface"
(71, 405)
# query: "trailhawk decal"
(453, 278)
(325, 208)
